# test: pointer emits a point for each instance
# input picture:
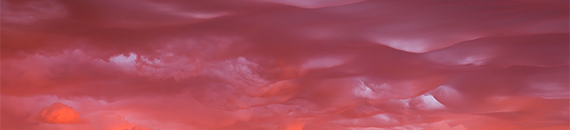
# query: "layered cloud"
(285, 65)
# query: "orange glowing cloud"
(295, 125)
(59, 113)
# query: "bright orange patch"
(59, 113)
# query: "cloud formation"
(59, 113)
(285, 65)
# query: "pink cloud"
(284, 65)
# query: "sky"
(285, 65)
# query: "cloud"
(59, 113)
(112, 121)
(284, 65)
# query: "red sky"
(285, 65)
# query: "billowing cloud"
(284, 65)
(59, 113)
